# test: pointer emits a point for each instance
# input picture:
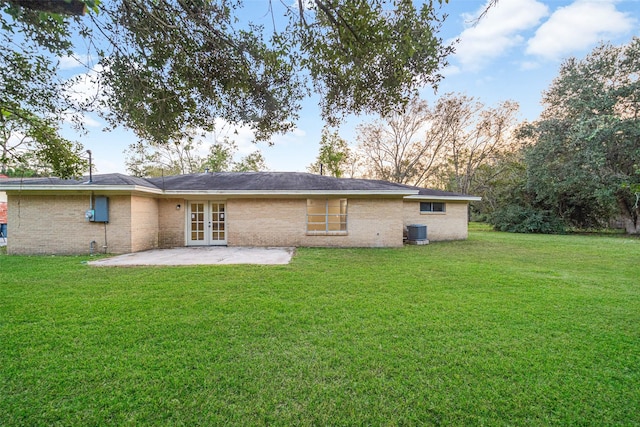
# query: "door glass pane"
(197, 221)
(217, 222)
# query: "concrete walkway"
(200, 256)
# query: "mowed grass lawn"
(501, 329)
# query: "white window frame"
(431, 208)
(328, 218)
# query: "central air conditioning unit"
(417, 234)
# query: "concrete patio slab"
(200, 256)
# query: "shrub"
(526, 219)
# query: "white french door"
(206, 223)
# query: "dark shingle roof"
(237, 181)
(106, 179)
(119, 179)
(269, 181)
(40, 181)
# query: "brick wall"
(46, 224)
(262, 222)
(144, 223)
(282, 222)
(171, 222)
(450, 225)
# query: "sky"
(513, 53)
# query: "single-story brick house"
(116, 213)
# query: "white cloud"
(15, 142)
(86, 87)
(485, 80)
(498, 31)
(529, 65)
(85, 90)
(108, 166)
(81, 118)
(450, 70)
(306, 5)
(577, 27)
(74, 61)
(243, 137)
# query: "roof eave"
(79, 187)
(270, 193)
(450, 198)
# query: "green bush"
(526, 219)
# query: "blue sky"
(513, 53)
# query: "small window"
(327, 216)
(428, 207)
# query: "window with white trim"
(326, 216)
(431, 207)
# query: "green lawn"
(501, 329)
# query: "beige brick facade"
(282, 222)
(171, 222)
(450, 225)
(144, 223)
(55, 224)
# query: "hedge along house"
(116, 213)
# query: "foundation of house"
(417, 242)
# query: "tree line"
(191, 156)
(576, 167)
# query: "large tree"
(147, 160)
(175, 65)
(404, 147)
(441, 146)
(584, 163)
(252, 162)
(32, 100)
(500, 181)
(474, 135)
(178, 64)
(179, 157)
(334, 155)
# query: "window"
(428, 207)
(326, 216)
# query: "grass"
(500, 329)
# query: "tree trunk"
(630, 215)
(631, 226)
